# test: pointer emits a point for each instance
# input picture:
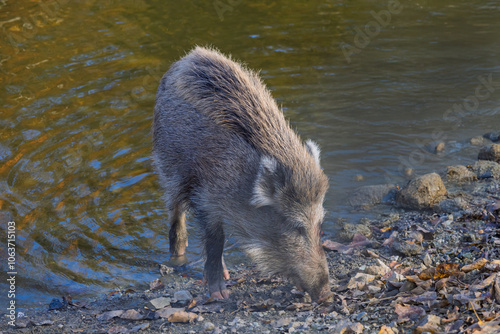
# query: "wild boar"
(223, 149)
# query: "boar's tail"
(234, 97)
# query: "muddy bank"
(431, 265)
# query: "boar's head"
(290, 195)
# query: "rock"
(132, 315)
(380, 269)
(430, 323)
(140, 327)
(385, 330)
(281, 322)
(408, 172)
(109, 315)
(477, 141)
(118, 330)
(422, 192)
(439, 147)
(165, 270)
(349, 230)
(452, 205)
(493, 136)
(23, 323)
(460, 174)
(407, 286)
(348, 327)
(396, 280)
(360, 281)
(427, 260)
(156, 285)
(183, 297)
(55, 304)
(208, 327)
(359, 178)
(486, 169)
(367, 196)
(407, 248)
(491, 153)
(161, 302)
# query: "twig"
(382, 299)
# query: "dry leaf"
(182, 316)
(476, 265)
(446, 270)
(427, 274)
(168, 311)
(408, 312)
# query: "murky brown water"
(77, 87)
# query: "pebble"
(407, 248)
(493, 136)
(440, 147)
(360, 281)
(281, 322)
(208, 326)
(183, 295)
(161, 302)
(491, 152)
(427, 260)
(408, 172)
(477, 141)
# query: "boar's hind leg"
(214, 268)
(178, 232)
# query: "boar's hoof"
(222, 294)
(326, 297)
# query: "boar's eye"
(301, 230)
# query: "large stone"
(486, 169)
(493, 136)
(460, 174)
(491, 152)
(422, 192)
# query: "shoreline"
(431, 267)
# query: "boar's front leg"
(214, 266)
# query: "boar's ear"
(313, 148)
(265, 185)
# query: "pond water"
(374, 83)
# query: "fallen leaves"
(408, 312)
(358, 241)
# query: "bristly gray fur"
(235, 98)
(223, 149)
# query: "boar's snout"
(313, 278)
